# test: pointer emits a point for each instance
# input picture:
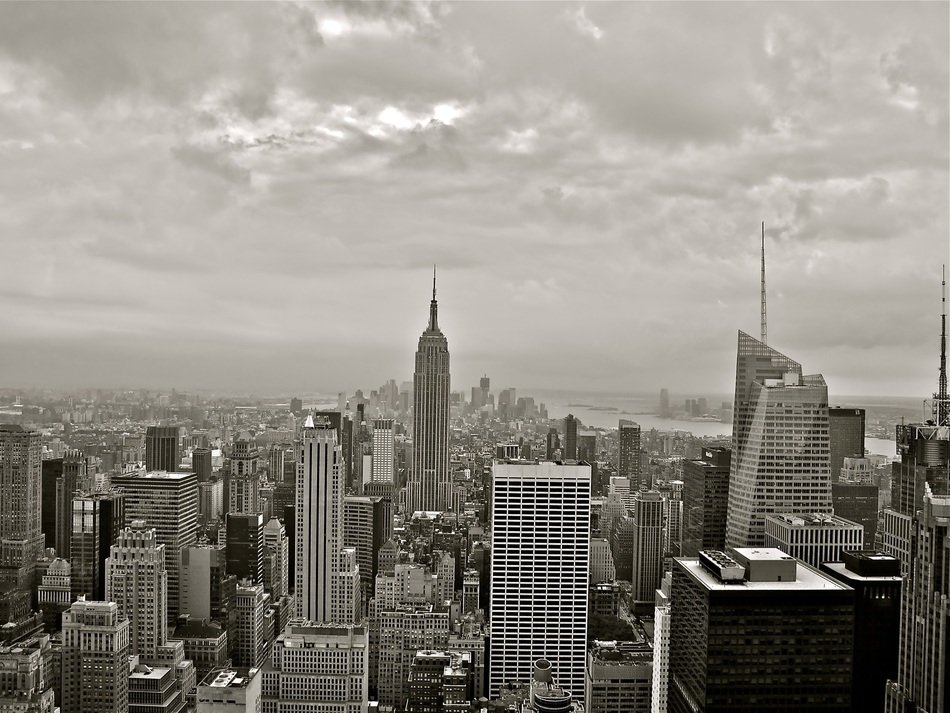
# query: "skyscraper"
(845, 437)
(430, 482)
(75, 477)
(367, 525)
(167, 502)
(647, 568)
(665, 403)
(244, 479)
(95, 668)
(137, 581)
(780, 442)
(384, 450)
(760, 632)
(319, 556)
(162, 448)
(570, 437)
(95, 521)
(705, 501)
(244, 540)
(628, 462)
(539, 571)
(201, 464)
(21, 474)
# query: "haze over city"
(250, 197)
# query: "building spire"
(764, 338)
(941, 399)
(433, 307)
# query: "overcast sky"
(251, 196)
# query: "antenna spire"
(433, 307)
(433, 282)
(941, 399)
(764, 338)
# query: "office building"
(430, 480)
(619, 677)
(813, 538)
(136, 580)
(876, 581)
(210, 501)
(661, 646)
(570, 437)
(924, 660)
(55, 592)
(404, 630)
(74, 479)
(845, 437)
(601, 561)
(229, 690)
(367, 525)
(705, 501)
(204, 643)
(155, 689)
(587, 446)
(243, 482)
(552, 445)
(201, 464)
(621, 544)
(95, 659)
(628, 461)
(207, 590)
(776, 635)
(276, 558)
(440, 682)
(779, 443)
(27, 677)
(647, 567)
(539, 570)
(244, 538)
(50, 470)
(95, 522)
(857, 502)
(162, 448)
(323, 567)
(167, 502)
(318, 666)
(384, 451)
(21, 474)
(665, 404)
(247, 638)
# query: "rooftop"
(812, 519)
(806, 578)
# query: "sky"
(251, 196)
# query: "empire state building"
(429, 481)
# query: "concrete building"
(21, 505)
(95, 659)
(601, 561)
(276, 558)
(167, 502)
(405, 630)
(780, 446)
(539, 570)
(229, 690)
(367, 525)
(440, 682)
(661, 646)
(28, 677)
(249, 643)
(619, 677)
(137, 581)
(775, 635)
(207, 590)
(154, 689)
(205, 643)
(813, 538)
(318, 666)
(429, 476)
(647, 567)
(384, 451)
(243, 480)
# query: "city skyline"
(188, 193)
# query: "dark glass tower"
(429, 483)
(161, 448)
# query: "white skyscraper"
(539, 571)
(322, 565)
(384, 446)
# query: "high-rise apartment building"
(760, 632)
(95, 521)
(647, 567)
(705, 501)
(167, 502)
(136, 580)
(244, 540)
(95, 659)
(321, 667)
(539, 571)
(780, 443)
(430, 480)
(628, 460)
(570, 437)
(384, 451)
(21, 474)
(162, 449)
(845, 437)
